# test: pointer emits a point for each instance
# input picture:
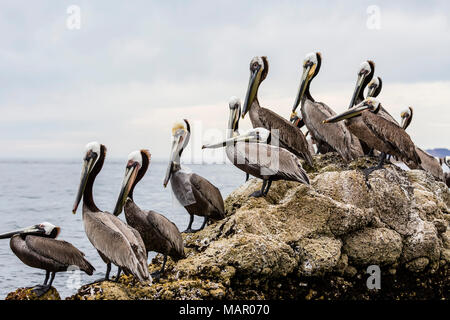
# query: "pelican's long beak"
(246, 137)
(168, 173)
(130, 176)
(358, 86)
(371, 91)
(255, 77)
(177, 145)
(350, 113)
(308, 72)
(27, 230)
(404, 120)
(88, 164)
(233, 119)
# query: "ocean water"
(36, 191)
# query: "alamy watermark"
(374, 17)
(74, 279)
(374, 280)
(73, 21)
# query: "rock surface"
(28, 294)
(314, 242)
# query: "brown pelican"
(335, 136)
(261, 160)
(290, 137)
(158, 233)
(365, 75)
(378, 133)
(198, 196)
(37, 247)
(115, 241)
(428, 162)
(406, 116)
(374, 87)
(446, 160)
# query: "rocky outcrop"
(314, 242)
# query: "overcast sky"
(135, 68)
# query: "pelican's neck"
(308, 93)
(360, 98)
(253, 112)
(233, 132)
(88, 198)
(140, 175)
(176, 167)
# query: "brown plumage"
(252, 153)
(284, 165)
(209, 201)
(378, 133)
(427, 161)
(328, 137)
(430, 164)
(196, 194)
(115, 241)
(388, 137)
(158, 233)
(336, 135)
(290, 137)
(37, 247)
(49, 254)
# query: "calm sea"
(36, 191)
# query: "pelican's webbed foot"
(189, 228)
(106, 278)
(156, 275)
(41, 289)
(257, 194)
(379, 166)
(260, 193)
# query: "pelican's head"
(180, 139)
(44, 229)
(365, 74)
(406, 116)
(259, 67)
(137, 165)
(369, 104)
(374, 86)
(296, 120)
(235, 113)
(311, 67)
(94, 152)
